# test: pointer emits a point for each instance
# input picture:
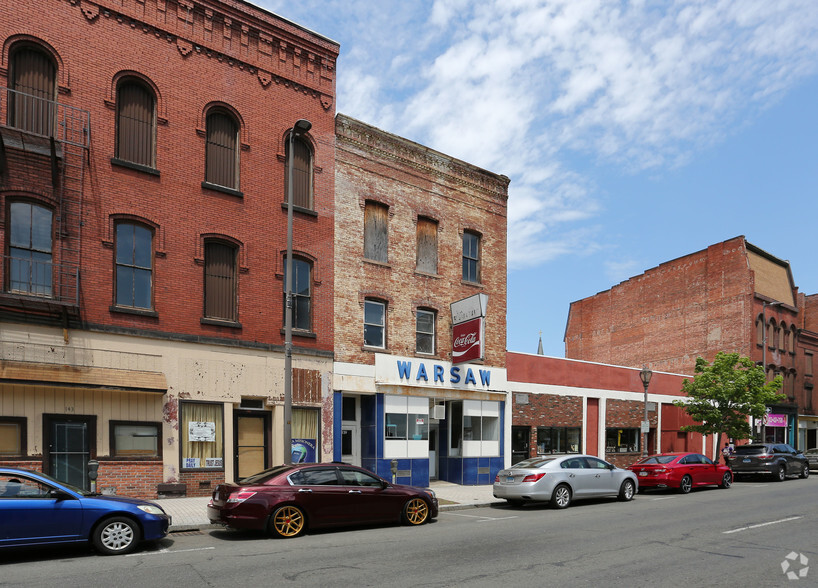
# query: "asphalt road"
(735, 537)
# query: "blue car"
(36, 509)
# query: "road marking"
(169, 551)
(761, 525)
(482, 519)
(664, 498)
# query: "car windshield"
(658, 459)
(751, 449)
(263, 476)
(533, 462)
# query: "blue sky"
(633, 132)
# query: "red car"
(288, 499)
(681, 470)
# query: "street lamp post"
(645, 376)
(300, 127)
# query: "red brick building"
(563, 406)
(416, 231)
(143, 220)
(731, 296)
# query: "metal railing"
(43, 117)
(39, 278)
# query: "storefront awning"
(82, 376)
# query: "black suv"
(777, 459)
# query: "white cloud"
(523, 87)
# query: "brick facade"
(414, 181)
(268, 73)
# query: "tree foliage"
(722, 396)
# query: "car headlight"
(431, 493)
(151, 509)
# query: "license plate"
(746, 460)
(643, 473)
(509, 478)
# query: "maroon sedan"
(681, 470)
(288, 499)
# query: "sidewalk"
(190, 514)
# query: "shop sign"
(469, 308)
(414, 372)
(776, 420)
(467, 341)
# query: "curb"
(204, 526)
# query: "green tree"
(722, 396)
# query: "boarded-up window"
(302, 173)
(302, 301)
(33, 81)
(427, 245)
(471, 257)
(376, 241)
(222, 150)
(220, 281)
(135, 123)
(306, 386)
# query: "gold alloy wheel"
(416, 511)
(288, 521)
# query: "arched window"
(220, 281)
(33, 81)
(302, 294)
(302, 173)
(135, 123)
(782, 337)
(759, 330)
(29, 247)
(791, 340)
(222, 157)
(771, 331)
(134, 266)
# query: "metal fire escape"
(30, 150)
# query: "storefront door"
(520, 441)
(252, 448)
(433, 445)
(351, 444)
(69, 447)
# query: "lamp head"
(645, 375)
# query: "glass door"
(69, 448)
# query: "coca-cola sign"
(467, 341)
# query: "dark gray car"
(776, 459)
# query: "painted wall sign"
(467, 341)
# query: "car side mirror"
(59, 494)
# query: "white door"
(351, 444)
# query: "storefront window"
(202, 433)
(475, 428)
(305, 435)
(406, 426)
(135, 439)
(558, 440)
(12, 435)
(622, 440)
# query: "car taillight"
(240, 496)
(661, 470)
(765, 456)
(533, 477)
(497, 478)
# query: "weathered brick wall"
(271, 73)
(692, 306)
(414, 181)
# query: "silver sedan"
(562, 480)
